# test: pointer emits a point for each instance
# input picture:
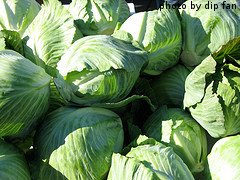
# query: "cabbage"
(24, 94)
(99, 69)
(77, 143)
(99, 16)
(159, 33)
(179, 130)
(213, 98)
(149, 160)
(16, 15)
(13, 164)
(169, 87)
(50, 34)
(224, 159)
(206, 30)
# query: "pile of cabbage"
(88, 91)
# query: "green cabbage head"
(13, 164)
(159, 33)
(149, 160)
(99, 69)
(223, 161)
(75, 143)
(206, 30)
(24, 94)
(169, 87)
(212, 94)
(50, 34)
(177, 129)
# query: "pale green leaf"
(50, 34)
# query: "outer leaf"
(229, 94)
(126, 102)
(203, 113)
(16, 15)
(142, 86)
(50, 34)
(99, 16)
(159, 33)
(162, 159)
(12, 40)
(56, 100)
(12, 163)
(140, 141)
(124, 168)
(24, 93)
(78, 143)
(232, 49)
(196, 82)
